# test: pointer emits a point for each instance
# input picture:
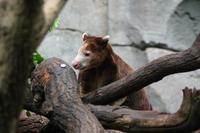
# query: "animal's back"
(137, 100)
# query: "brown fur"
(106, 67)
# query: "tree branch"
(186, 119)
(51, 10)
(184, 61)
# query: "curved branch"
(51, 10)
(186, 119)
(184, 61)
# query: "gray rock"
(61, 44)
(183, 25)
(172, 22)
(131, 21)
(121, 29)
(132, 56)
(85, 16)
(169, 90)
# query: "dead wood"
(54, 84)
(30, 122)
(186, 119)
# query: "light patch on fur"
(84, 35)
(82, 59)
(106, 38)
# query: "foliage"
(37, 58)
(55, 24)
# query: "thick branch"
(185, 61)
(186, 119)
(54, 84)
(51, 10)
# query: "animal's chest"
(100, 80)
(97, 81)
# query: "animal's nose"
(76, 64)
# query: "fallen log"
(54, 84)
(184, 61)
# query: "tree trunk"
(54, 78)
(23, 24)
(184, 61)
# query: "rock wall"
(140, 30)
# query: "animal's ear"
(105, 39)
(84, 36)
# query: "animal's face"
(92, 53)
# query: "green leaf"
(37, 58)
(55, 24)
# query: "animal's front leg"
(83, 88)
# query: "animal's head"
(92, 53)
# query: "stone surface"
(61, 44)
(132, 56)
(183, 25)
(169, 90)
(135, 20)
(174, 23)
(85, 16)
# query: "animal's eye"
(87, 54)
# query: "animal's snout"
(76, 64)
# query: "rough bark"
(23, 24)
(184, 61)
(31, 123)
(52, 79)
(197, 131)
(186, 119)
(54, 84)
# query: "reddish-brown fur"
(105, 68)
